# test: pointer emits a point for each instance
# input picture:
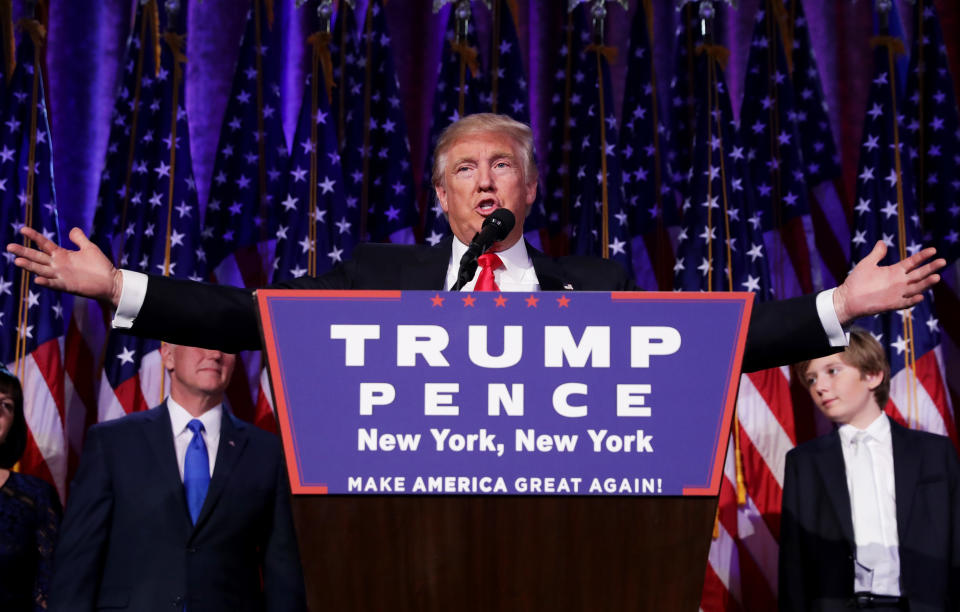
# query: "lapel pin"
(568, 287)
(230, 442)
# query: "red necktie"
(488, 263)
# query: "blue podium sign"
(425, 393)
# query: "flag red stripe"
(130, 395)
(774, 388)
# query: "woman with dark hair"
(29, 512)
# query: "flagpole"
(776, 200)
(319, 42)
(265, 265)
(368, 77)
(662, 249)
(717, 56)
(921, 149)
(895, 47)
(565, 148)
(36, 33)
(175, 42)
(149, 15)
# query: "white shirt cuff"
(828, 318)
(132, 294)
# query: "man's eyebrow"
(473, 160)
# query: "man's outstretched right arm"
(178, 311)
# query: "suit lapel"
(550, 274)
(832, 470)
(906, 471)
(429, 270)
(233, 439)
(159, 433)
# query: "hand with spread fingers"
(871, 288)
(86, 272)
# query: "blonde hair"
(866, 355)
(481, 123)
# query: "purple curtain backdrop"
(86, 41)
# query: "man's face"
(842, 393)
(197, 372)
(484, 172)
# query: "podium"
(599, 433)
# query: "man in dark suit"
(483, 162)
(182, 507)
(871, 511)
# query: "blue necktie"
(196, 470)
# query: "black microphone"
(495, 228)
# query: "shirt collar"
(179, 417)
(879, 430)
(516, 257)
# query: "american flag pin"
(230, 442)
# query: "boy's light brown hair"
(866, 355)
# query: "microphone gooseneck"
(495, 228)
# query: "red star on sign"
(437, 300)
(469, 300)
(501, 301)
(563, 301)
(532, 301)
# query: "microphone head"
(503, 220)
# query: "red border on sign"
(712, 487)
(733, 371)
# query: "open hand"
(871, 288)
(85, 272)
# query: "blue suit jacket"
(127, 541)
(816, 530)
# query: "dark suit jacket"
(222, 317)
(127, 541)
(816, 529)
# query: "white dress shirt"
(516, 274)
(876, 539)
(179, 417)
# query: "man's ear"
(166, 356)
(441, 196)
(531, 194)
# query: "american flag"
(821, 162)
(509, 93)
(87, 330)
(559, 145)
(934, 148)
(31, 317)
(600, 220)
(682, 110)
(375, 151)
(887, 210)
(314, 232)
(237, 235)
(721, 248)
(237, 240)
(460, 91)
(768, 122)
(649, 199)
(159, 229)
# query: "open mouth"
(486, 207)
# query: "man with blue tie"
(181, 507)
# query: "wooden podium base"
(504, 553)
